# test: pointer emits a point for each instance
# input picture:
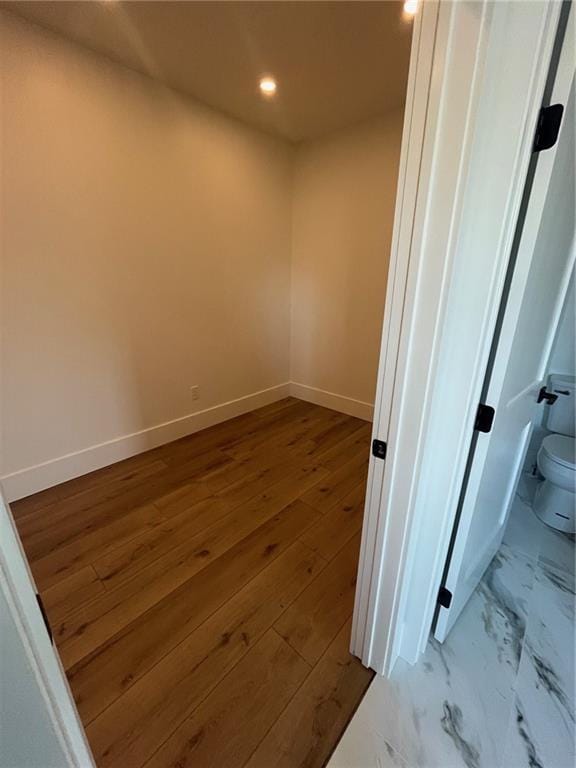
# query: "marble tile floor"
(500, 692)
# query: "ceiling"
(336, 63)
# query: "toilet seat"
(560, 450)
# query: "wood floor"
(201, 594)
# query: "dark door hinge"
(484, 418)
(550, 397)
(548, 127)
(44, 616)
(379, 449)
(444, 597)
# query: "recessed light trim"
(410, 7)
(268, 86)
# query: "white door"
(40, 727)
(544, 259)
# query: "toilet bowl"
(555, 498)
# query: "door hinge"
(444, 597)
(379, 449)
(484, 418)
(44, 616)
(548, 127)
(550, 397)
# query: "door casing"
(17, 584)
(457, 207)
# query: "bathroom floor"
(500, 692)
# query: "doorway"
(189, 413)
(495, 683)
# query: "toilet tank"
(562, 415)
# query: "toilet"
(556, 496)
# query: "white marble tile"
(499, 693)
(527, 534)
(524, 530)
(451, 710)
(365, 747)
(542, 725)
(557, 549)
(527, 485)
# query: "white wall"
(562, 359)
(344, 194)
(150, 244)
(27, 738)
(145, 249)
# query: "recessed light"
(268, 86)
(410, 7)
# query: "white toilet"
(555, 498)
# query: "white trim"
(558, 223)
(415, 122)
(412, 498)
(519, 46)
(18, 586)
(347, 405)
(22, 483)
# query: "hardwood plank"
(266, 438)
(238, 470)
(183, 497)
(207, 548)
(338, 525)
(314, 619)
(71, 593)
(279, 405)
(232, 432)
(342, 451)
(296, 438)
(122, 562)
(93, 480)
(226, 728)
(308, 730)
(115, 666)
(270, 455)
(186, 448)
(78, 511)
(255, 483)
(133, 727)
(84, 517)
(119, 565)
(328, 437)
(69, 558)
(82, 632)
(333, 488)
(66, 560)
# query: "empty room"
(198, 206)
(287, 470)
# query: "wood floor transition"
(201, 594)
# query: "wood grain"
(137, 723)
(228, 726)
(319, 612)
(199, 593)
(338, 525)
(306, 732)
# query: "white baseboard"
(24, 482)
(41, 476)
(340, 403)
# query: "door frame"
(528, 233)
(17, 585)
(450, 50)
(446, 279)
